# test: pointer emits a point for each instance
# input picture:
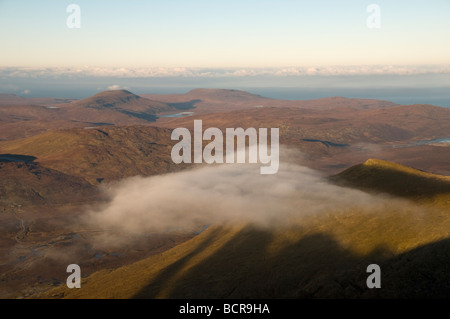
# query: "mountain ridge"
(381, 176)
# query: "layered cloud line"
(154, 72)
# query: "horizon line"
(161, 71)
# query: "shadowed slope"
(30, 184)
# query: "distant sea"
(402, 89)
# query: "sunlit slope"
(395, 179)
(323, 256)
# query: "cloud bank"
(155, 72)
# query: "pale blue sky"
(232, 33)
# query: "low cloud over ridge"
(225, 193)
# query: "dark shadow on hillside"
(100, 124)
(317, 266)
(326, 143)
(141, 115)
(423, 272)
(16, 158)
(152, 290)
(185, 105)
(243, 268)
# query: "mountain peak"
(121, 101)
(109, 99)
(386, 165)
(115, 93)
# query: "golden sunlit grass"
(386, 177)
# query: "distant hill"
(38, 119)
(224, 95)
(220, 100)
(118, 107)
(323, 256)
(205, 101)
(122, 101)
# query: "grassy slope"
(318, 257)
(395, 179)
(109, 153)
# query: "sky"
(292, 49)
(223, 34)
